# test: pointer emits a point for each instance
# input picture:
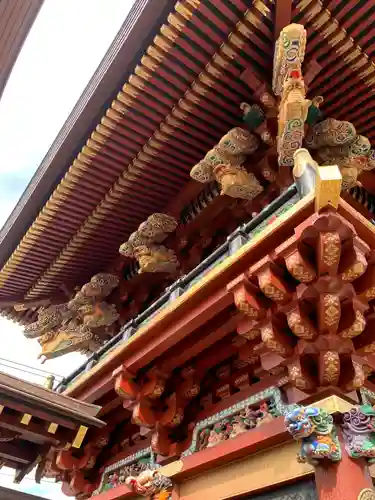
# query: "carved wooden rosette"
(224, 163)
(144, 245)
(310, 306)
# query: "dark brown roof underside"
(16, 19)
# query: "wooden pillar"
(344, 480)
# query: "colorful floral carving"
(314, 427)
(237, 419)
(230, 427)
(359, 432)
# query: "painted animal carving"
(144, 245)
(70, 338)
(148, 483)
(48, 319)
(98, 314)
(224, 163)
(156, 259)
(337, 142)
(80, 324)
(359, 432)
(315, 429)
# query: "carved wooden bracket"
(224, 163)
(310, 308)
(144, 245)
(247, 298)
(83, 323)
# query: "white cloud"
(47, 489)
(65, 45)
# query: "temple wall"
(271, 468)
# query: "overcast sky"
(64, 47)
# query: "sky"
(64, 48)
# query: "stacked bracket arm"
(306, 306)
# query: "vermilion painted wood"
(221, 348)
(259, 439)
(204, 304)
(344, 479)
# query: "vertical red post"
(343, 480)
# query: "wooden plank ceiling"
(182, 97)
(16, 19)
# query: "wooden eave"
(183, 95)
(134, 36)
(16, 19)
(53, 405)
(32, 419)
